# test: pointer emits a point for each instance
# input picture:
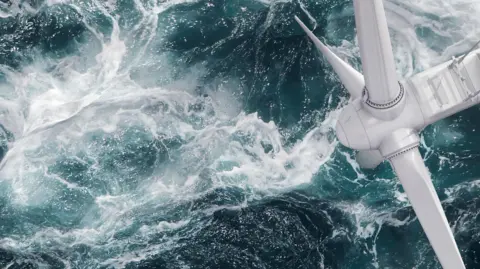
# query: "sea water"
(199, 134)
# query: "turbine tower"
(384, 117)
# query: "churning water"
(198, 134)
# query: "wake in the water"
(198, 134)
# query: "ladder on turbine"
(465, 73)
(458, 82)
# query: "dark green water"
(199, 134)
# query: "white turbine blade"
(376, 51)
(369, 159)
(350, 78)
(416, 181)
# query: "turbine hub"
(360, 129)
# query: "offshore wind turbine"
(384, 117)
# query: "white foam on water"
(369, 222)
(53, 114)
(452, 20)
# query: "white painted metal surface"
(376, 51)
(447, 88)
(415, 179)
(369, 159)
(385, 120)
